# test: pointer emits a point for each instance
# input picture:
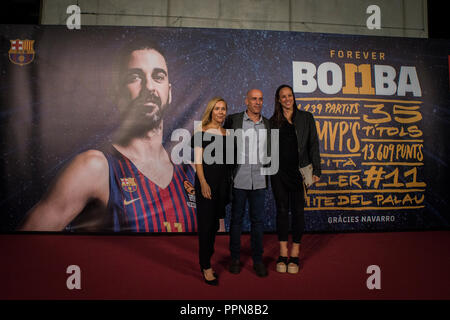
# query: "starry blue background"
(64, 102)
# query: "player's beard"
(143, 114)
(146, 111)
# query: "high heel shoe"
(213, 282)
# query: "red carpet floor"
(414, 265)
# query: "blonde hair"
(206, 118)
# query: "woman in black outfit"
(211, 182)
(299, 146)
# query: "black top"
(288, 172)
(215, 169)
(214, 158)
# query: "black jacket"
(234, 121)
(307, 141)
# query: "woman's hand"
(315, 179)
(206, 190)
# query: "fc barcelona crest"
(128, 184)
(21, 51)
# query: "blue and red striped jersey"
(139, 205)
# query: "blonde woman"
(211, 182)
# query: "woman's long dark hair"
(278, 117)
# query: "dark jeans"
(256, 211)
(286, 201)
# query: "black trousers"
(289, 201)
(208, 214)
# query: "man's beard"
(143, 114)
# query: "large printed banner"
(381, 107)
